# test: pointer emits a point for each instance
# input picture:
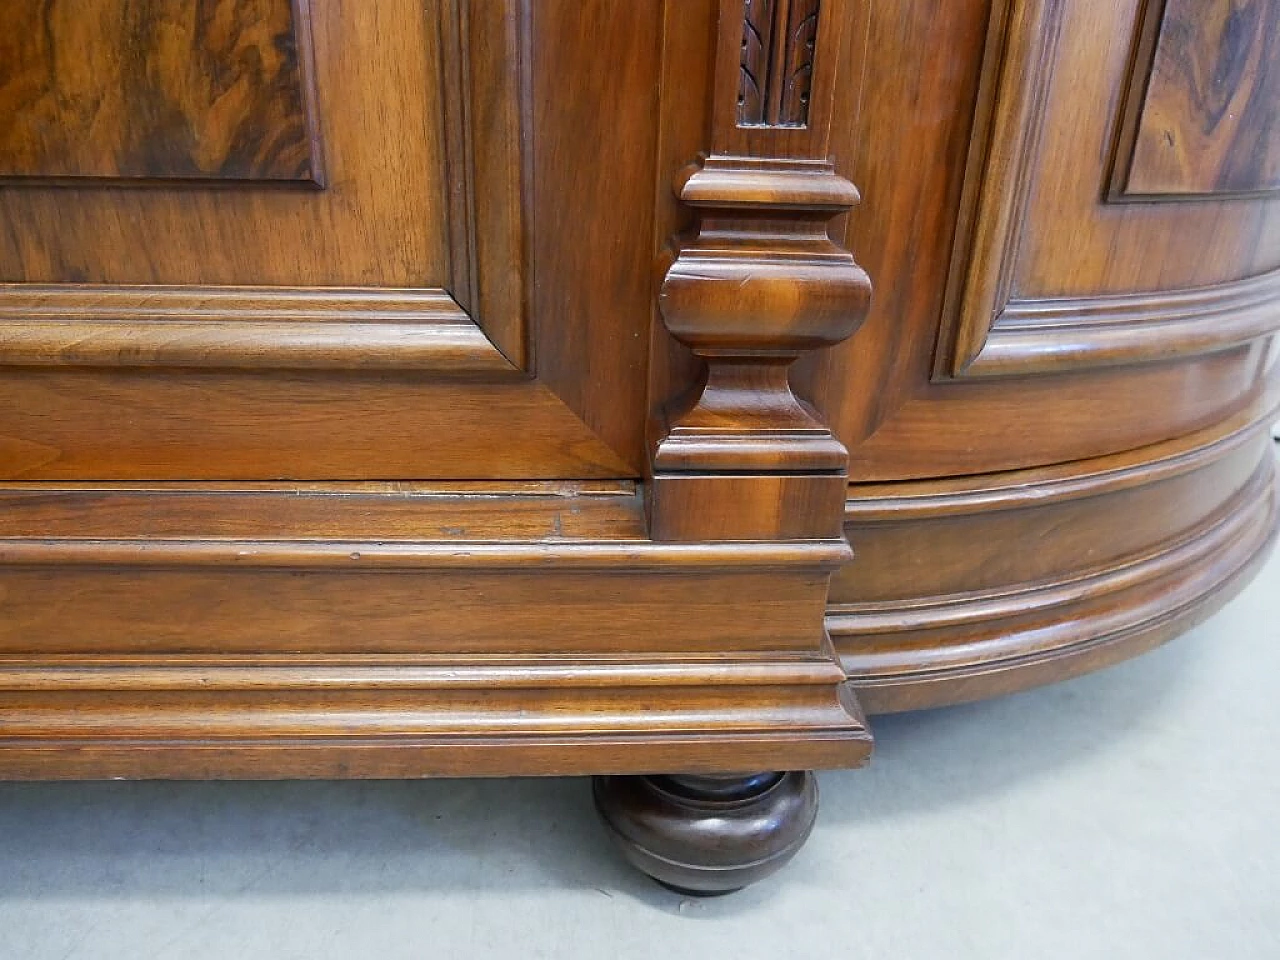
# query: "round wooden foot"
(708, 835)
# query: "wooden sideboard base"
(1104, 559)
(401, 630)
(611, 246)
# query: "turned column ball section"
(708, 835)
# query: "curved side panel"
(981, 586)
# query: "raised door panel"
(311, 239)
(381, 124)
(1014, 290)
(1058, 275)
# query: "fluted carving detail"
(779, 41)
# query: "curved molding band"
(987, 585)
(1075, 480)
(1041, 336)
(989, 330)
(1051, 633)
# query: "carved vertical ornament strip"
(757, 36)
(779, 40)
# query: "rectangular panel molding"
(374, 329)
(996, 330)
(158, 90)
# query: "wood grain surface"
(382, 219)
(157, 89)
(414, 261)
(402, 629)
(1209, 121)
(1079, 262)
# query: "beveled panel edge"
(1017, 66)
(484, 73)
(254, 328)
(1043, 336)
(1137, 80)
(341, 329)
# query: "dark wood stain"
(167, 89)
(1208, 123)
(775, 76)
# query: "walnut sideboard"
(496, 387)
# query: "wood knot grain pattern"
(1209, 120)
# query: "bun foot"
(708, 835)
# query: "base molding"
(440, 631)
(1116, 555)
(140, 724)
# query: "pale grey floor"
(1130, 814)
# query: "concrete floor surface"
(1129, 814)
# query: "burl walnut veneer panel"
(167, 89)
(384, 76)
(383, 327)
(1208, 121)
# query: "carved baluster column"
(754, 284)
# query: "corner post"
(755, 283)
